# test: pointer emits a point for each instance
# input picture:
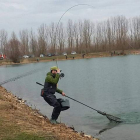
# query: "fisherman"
(66, 56)
(83, 55)
(50, 87)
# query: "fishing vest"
(49, 88)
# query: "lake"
(108, 84)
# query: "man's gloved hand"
(62, 75)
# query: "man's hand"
(58, 70)
(63, 94)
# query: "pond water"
(110, 84)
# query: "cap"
(54, 68)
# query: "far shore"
(70, 57)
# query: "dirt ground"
(22, 118)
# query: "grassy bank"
(70, 57)
(20, 122)
(62, 57)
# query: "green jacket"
(53, 80)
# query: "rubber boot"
(53, 121)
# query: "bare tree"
(76, 37)
(24, 42)
(61, 38)
(136, 31)
(52, 36)
(122, 29)
(80, 29)
(98, 38)
(109, 35)
(33, 44)
(12, 49)
(3, 40)
(87, 34)
(70, 35)
(42, 39)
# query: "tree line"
(115, 33)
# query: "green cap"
(54, 68)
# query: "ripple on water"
(131, 117)
(127, 118)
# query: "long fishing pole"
(110, 117)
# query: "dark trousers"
(52, 101)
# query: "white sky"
(16, 15)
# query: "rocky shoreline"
(14, 111)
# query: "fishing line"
(21, 76)
(56, 32)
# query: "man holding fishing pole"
(50, 87)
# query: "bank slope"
(19, 121)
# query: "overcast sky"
(16, 15)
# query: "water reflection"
(108, 126)
(127, 118)
(131, 117)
